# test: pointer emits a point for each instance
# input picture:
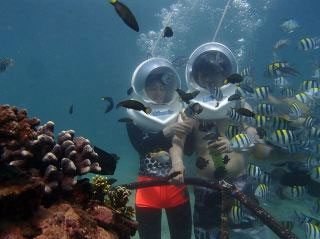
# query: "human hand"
(177, 167)
(222, 145)
(182, 127)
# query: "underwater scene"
(181, 119)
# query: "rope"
(222, 17)
(161, 32)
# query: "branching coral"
(114, 197)
(28, 147)
(37, 169)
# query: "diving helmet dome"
(154, 83)
(207, 67)
(152, 70)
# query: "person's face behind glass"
(208, 81)
(156, 92)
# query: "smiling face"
(156, 90)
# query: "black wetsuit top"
(145, 142)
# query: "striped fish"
(277, 122)
(247, 71)
(303, 98)
(313, 93)
(282, 137)
(308, 43)
(265, 109)
(312, 161)
(265, 178)
(262, 92)
(262, 191)
(234, 116)
(241, 142)
(295, 111)
(308, 84)
(315, 174)
(309, 122)
(273, 69)
(216, 93)
(294, 148)
(295, 192)
(236, 214)
(231, 131)
(288, 92)
(281, 82)
(312, 231)
(313, 133)
(260, 121)
(254, 171)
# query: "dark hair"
(207, 64)
(153, 78)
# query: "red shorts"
(161, 196)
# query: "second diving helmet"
(207, 68)
(154, 84)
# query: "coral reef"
(40, 193)
(27, 147)
(59, 221)
(113, 197)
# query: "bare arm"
(177, 149)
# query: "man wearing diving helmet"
(154, 138)
(206, 70)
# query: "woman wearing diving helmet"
(206, 70)
(153, 136)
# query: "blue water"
(75, 51)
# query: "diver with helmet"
(154, 137)
(208, 66)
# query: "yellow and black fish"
(262, 92)
(273, 69)
(135, 105)
(231, 131)
(126, 15)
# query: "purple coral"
(27, 147)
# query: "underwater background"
(75, 51)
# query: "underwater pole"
(161, 32)
(229, 189)
(221, 20)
